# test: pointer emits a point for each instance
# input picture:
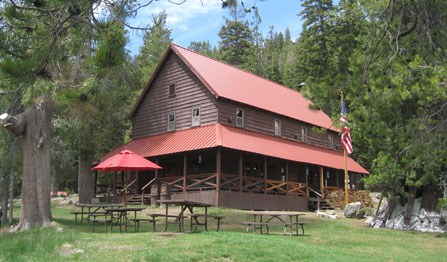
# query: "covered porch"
(224, 165)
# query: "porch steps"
(136, 199)
(324, 205)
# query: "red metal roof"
(240, 139)
(232, 83)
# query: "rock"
(323, 214)
(352, 209)
(369, 221)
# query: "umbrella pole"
(114, 188)
(125, 188)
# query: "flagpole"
(346, 178)
(345, 158)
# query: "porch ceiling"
(240, 139)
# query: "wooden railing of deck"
(144, 187)
(202, 181)
(174, 182)
(253, 184)
(297, 188)
(232, 183)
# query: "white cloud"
(180, 16)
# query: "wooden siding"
(150, 118)
(248, 201)
(262, 121)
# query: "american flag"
(345, 136)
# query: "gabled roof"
(232, 83)
(219, 135)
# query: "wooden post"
(265, 175)
(241, 172)
(185, 170)
(307, 184)
(218, 173)
(321, 182)
(287, 177)
(218, 168)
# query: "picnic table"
(122, 217)
(94, 210)
(289, 220)
(181, 216)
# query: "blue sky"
(201, 20)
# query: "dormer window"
(239, 117)
(277, 127)
(304, 135)
(195, 120)
(171, 122)
(171, 90)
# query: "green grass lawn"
(325, 240)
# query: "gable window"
(171, 90)
(239, 117)
(171, 122)
(304, 135)
(331, 141)
(195, 120)
(277, 127)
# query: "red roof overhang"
(239, 139)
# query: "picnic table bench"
(265, 219)
(195, 221)
(178, 221)
(185, 205)
(137, 221)
(287, 225)
(93, 210)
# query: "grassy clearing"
(325, 240)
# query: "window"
(277, 127)
(171, 122)
(195, 120)
(331, 141)
(304, 135)
(172, 90)
(239, 117)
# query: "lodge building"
(233, 139)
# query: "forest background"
(388, 57)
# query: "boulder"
(352, 209)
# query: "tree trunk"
(409, 208)
(5, 197)
(86, 181)
(34, 126)
(11, 198)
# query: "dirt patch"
(68, 250)
(168, 234)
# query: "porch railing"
(233, 182)
(144, 187)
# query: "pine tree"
(155, 42)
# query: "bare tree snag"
(34, 127)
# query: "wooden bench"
(138, 220)
(105, 220)
(76, 213)
(177, 222)
(195, 221)
(290, 225)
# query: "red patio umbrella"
(126, 160)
